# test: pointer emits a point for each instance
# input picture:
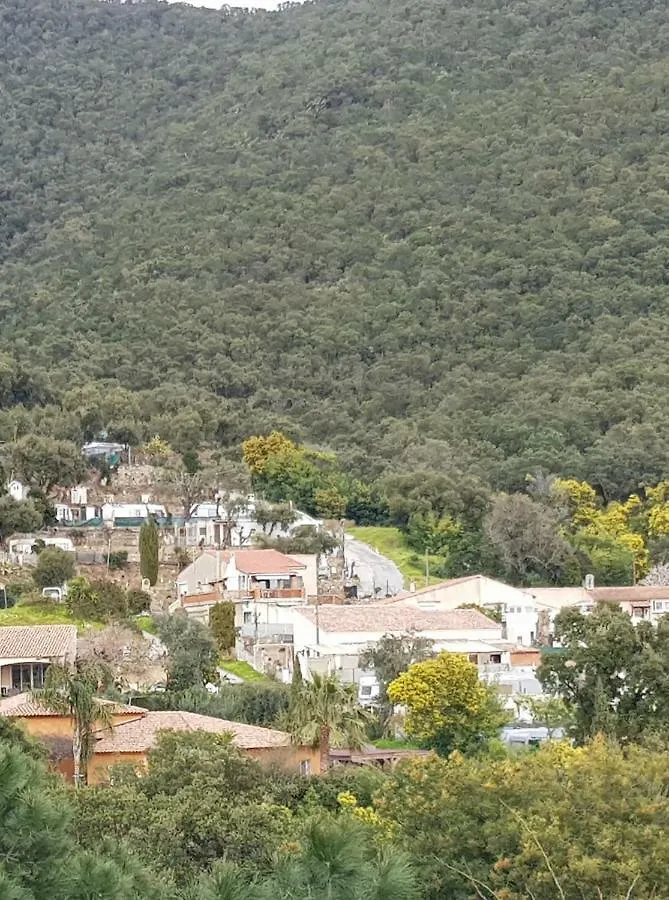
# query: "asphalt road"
(375, 572)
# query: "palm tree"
(325, 713)
(73, 693)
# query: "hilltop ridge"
(366, 223)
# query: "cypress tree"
(148, 550)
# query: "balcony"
(257, 593)
(279, 633)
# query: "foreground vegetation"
(206, 822)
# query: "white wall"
(310, 574)
(17, 490)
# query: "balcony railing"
(257, 593)
(281, 633)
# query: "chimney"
(412, 587)
(589, 582)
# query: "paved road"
(373, 570)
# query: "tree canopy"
(443, 224)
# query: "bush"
(54, 568)
(118, 560)
(138, 602)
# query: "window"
(28, 676)
(248, 618)
(366, 690)
(660, 606)
(305, 767)
(496, 658)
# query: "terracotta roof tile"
(260, 562)
(37, 641)
(207, 597)
(22, 706)
(383, 618)
(630, 594)
(141, 734)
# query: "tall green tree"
(325, 713)
(192, 652)
(222, 625)
(613, 675)
(55, 567)
(17, 516)
(149, 540)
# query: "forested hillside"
(363, 222)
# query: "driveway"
(377, 575)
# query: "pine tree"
(148, 550)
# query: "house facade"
(26, 652)
(233, 523)
(517, 608)
(17, 490)
(266, 587)
(330, 639)
(135, 732)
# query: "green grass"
(391, 542)
(146, 623)
(242, 670)
(46, 613)
(391, 744)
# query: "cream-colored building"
(516, 606)
(27, 651)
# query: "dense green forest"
(363, 222)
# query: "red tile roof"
(630, 594)
(38, 641)
(22, 706)
(266, 562)
(207, 597)
(383, 618)
(141, 734)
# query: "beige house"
(517, 607)
(27, 651)
(331, 638)
(135, 731)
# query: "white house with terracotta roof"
(264, 585)
(516, 606)
(27, 651)
(331, 638)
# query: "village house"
(27, 651)
(516, 607)
(17, 490)
(21, 547)
(232, 524)
(330, 639)
(135, 731)
(265, 586)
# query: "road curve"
(377, 574)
